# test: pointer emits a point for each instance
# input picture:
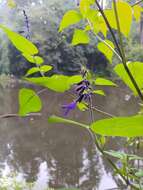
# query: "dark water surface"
(58, 155)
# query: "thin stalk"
(103, 112)
(138, 2)
(109, 27)
(100, 39)
(120, 49)
(10, 115)
(95, 140)
(108, 45)
(123, 53)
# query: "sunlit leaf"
(100, 92)
(104, 82)
(122, 155)
(29, 102)
(85, 6)
(105, 49)
(32, 71)
(33, 59)
(124, 11)
(136, 68)
(20, 42)
(120, 126)
(71, 17)
(74, 79)
(11, 3)
(55, 119)
(58, 83)
(137, 9)
(45, 68)
(139, 173)
(125, 16)
(82, 106)
(80, 37)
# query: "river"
(58, 155)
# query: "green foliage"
(33, 59)
(29, 102)
(58, 83)
(136, 68)
(105, 49)
(120, 126)
(125, 17)
(21, 43)
(55, 119)
(42, 69)
(99, 92)
(71, 17)
(137, 10)
(122, 155)
(85, 6)
(80, 37)
(82, 106)
(104, 82)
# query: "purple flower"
(119, 164)
(67, 108)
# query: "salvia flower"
(83, 93)
(67, 108)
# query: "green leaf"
(29, 102)
(139, 173)
(97, 22)
(125, 17)
(71, 17)
(74, 79)
(104, 82)
(33, 59)
(11, 3)
(80, 37)
(122, 155)
(32, 71)
(82, 106)
(100, 92)
(85, 6)
(55, 119)
(137, 9)
(106, 50)
(119, 126)
(45, 68)
(124, 11)
(136, 68)
(58, 83)
(20, 42)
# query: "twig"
(109, 27)
(5, 116)
(120, 49)
(100, 39)
(103, 112)
(138, 2)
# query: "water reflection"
(57, 155)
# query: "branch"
(120, 49)
(10, 115)
(103, 112)
(138, 2)
(123, 53)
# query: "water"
(58, 155)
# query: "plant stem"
(120, 49)
(138, 2)
(123, 53)
(103, 112)
(109, 27)
(100, 39)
